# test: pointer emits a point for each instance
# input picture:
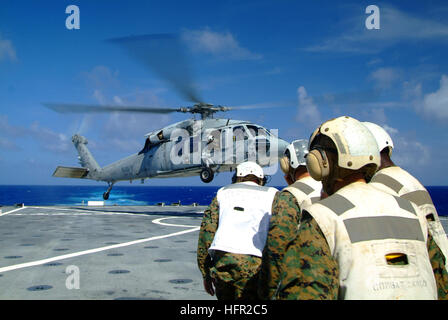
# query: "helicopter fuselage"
(187, 148)
(184, 148)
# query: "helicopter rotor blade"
(86, 108)
(165, 55)
(267, 105)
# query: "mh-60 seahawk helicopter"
(191, 147)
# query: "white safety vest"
(306, 191)
(397, 181)
(244, 214)
(365, 228)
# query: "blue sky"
(295, 55)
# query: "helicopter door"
(212, 150)
(227, 146)
(240, 139)
(195, 156)
(252, 143)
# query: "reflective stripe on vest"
(383, 227)
(303, 191)
(387, 181)
(306, 189)
(338, 204)
(419, 197)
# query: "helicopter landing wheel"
(206, 175)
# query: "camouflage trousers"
(235, 275)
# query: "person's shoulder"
(285, 198)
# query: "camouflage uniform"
(310, 272)
(278, 276)
(282, 232)
(234, 275)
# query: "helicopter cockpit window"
(253, 130)
(256, 131)
(189, 129)
(147, 146)
(239, 133)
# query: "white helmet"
(383, 139)
(249, 167)
(355, 146)
(294, 155)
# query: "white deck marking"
(142, 214)
(120, 245)
(157, 221)
(5, 213)
(90, 211)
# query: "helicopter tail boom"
(90, 168)
(86, 160)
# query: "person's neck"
(301, 173)
(386, 161)
(355, 177)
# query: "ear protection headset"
(284, 163)
(294, 156)
(317, 164)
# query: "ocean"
(140, 195)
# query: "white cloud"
(6, 129)
(221, 45)
(9, 133)
(412, 90)
(101, 77)
(99, 96)
(435, 105)
(372, 114)
(308, 112)
(8, 144)
(396, 27)
(7, 50)
(121, 132)
(118, 100)
(408, 152)
(390, 130)
(385, 77)
(45, 138)
(50, 140)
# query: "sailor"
(397, 181)
(360, 242)
(233, 234)
(275, 281)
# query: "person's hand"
(209, 286)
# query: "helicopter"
(191, 147)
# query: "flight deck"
(107, 252)
(102, 253)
